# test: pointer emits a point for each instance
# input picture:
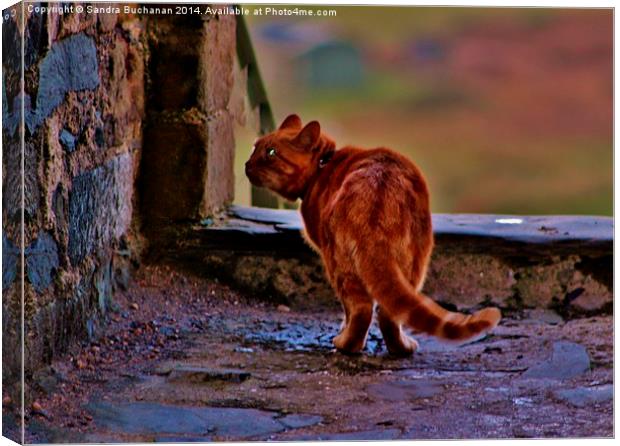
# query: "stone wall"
(83, 104)
(94, 158)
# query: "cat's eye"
(271, 152)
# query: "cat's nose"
(248, 169)
(250, 172)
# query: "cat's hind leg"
(396, 341)
(358, 307)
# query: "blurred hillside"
(505, 110)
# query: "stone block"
(67, 139)
(485, 278)
(10, 260)
(152, 418)
(217, 62)
(174, 63)
(296, 421)
(585, 396)
(220, 180)
(173, 165)
(41, 261)
(174, 76)
(70, 65)
(100, 206)
(567, 360)
(188, 166)
(124, 93)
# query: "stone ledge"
(563, 263)
(475, 233)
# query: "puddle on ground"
(294, 336)
(314, 335)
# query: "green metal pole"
(258, 99)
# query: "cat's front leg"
(358, 306)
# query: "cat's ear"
(291, 121)
(309, 135)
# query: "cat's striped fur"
(367, 213)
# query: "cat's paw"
(404, 347)
(345, 344)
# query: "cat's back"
(381, 174)
(369, 194)
(381, 202)
(374, 189)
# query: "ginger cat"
(367, 213)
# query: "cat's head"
(285, 160)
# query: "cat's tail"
(451, 325)
(399, 299)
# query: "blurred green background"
(505, 110)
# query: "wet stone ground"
(187, 359)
